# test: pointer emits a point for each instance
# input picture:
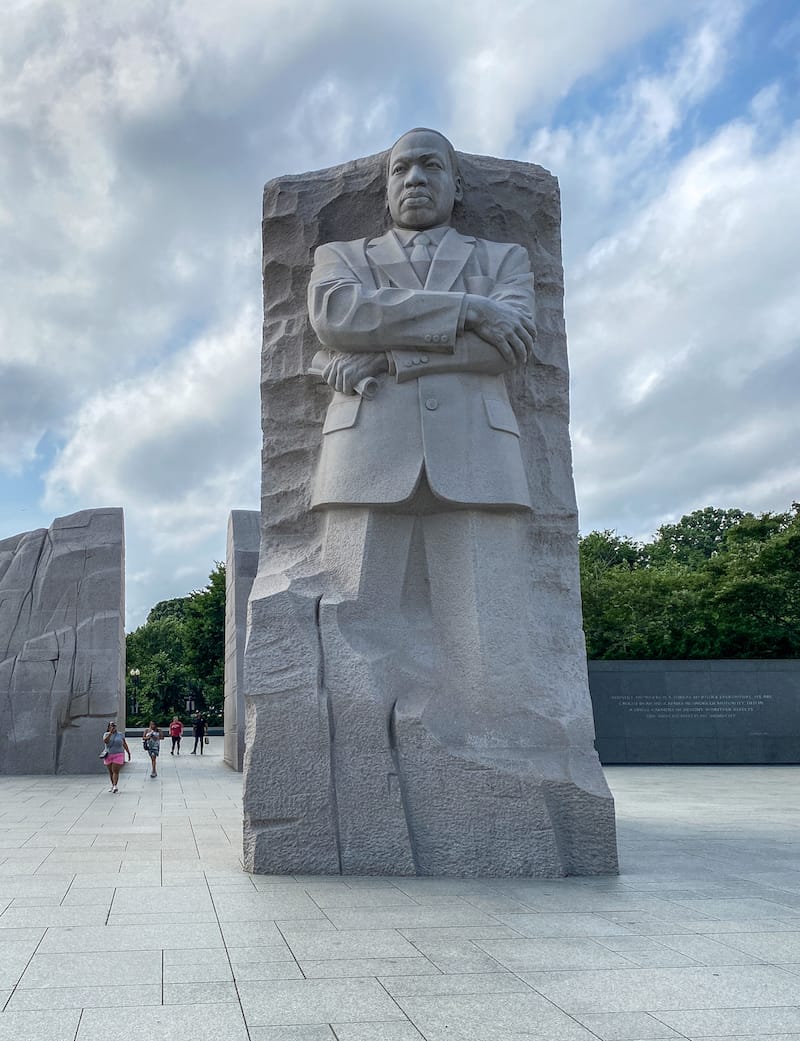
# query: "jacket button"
(408, 363)
(423, 359)
(428, 338)
(431, 404)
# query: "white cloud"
(684, 339)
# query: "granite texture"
(363, 755)
(62, 642)
(240, 570)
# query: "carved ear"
(459, 193)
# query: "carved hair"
(450, 151)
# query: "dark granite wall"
(683, 712)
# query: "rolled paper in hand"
(366, 388)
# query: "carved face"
(422, 185)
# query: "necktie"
(421, 257)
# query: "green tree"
(179, 653)
(719, 584)
(204, 634)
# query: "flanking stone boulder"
(244, 531)
(62, 642)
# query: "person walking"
(199, 728)
(116, 747)
(152, 740)
(175, 732)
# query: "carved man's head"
(423, 181)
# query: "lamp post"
(134, 701)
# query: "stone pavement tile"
(179, 900)
(359, 943)
(650, 990)
(31, 901)
(36, 886)
(162, 918)
(300, 1002)
(706, 951)
(545, 952)
(263, 963)
(773, 946)
(714, 927)
(151, 877)
(474, 932)
(13, 961)
(457, 956)
(74, 969)
(405, 918)
(86, 996)
(708, 1022)
(338, 896)
(163, 936)
(455, 983)
(489, 1016)
(563, 924)
(236, 904)
(199, 993)
(89, 897)
(753, 1037)
(51, 917)
(221, 1022)
(741, 908)
(627, 1026)
(628, 944)
(39, 1026)
(252, 934)
(377, 1032)
(29, 936)
(340, 968)
(320, 1032)
(197, 966)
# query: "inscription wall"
(701, 712)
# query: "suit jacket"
(443, 409)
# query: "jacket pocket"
(342, 414)
(501, 416)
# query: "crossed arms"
(369, 331)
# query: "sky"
(135, 139)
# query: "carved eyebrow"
(420, 157)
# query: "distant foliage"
(180, 654)
(718, 584)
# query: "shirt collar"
(406, 235)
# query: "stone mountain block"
(62, 642)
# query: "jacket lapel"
(449, 260)
(387, 254)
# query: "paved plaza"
(129, 914)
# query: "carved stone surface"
(363, 753)
(62, 642)
(240, 570)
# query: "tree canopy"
(180, 655)
(718, 584)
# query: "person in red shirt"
(175, 732)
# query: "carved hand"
(512, 333)
(344, 370)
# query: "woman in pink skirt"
(116, 746)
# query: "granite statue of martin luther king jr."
(446, 755)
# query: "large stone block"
(244, 532)
(363, 754)
(62, 642)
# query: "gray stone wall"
(244, 528)
(692, 712)
(62, 642)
